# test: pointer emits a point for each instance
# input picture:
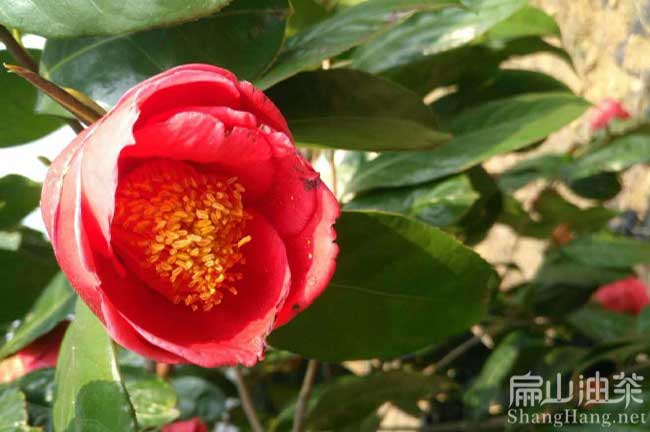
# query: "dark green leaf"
(603, 186)
(562, 283)
(351, 399)
(52, 306)
(469, 65)
(430, 33)
(153, 399)
(244, 39)
(497, 85)
(614, 157)
(89, 391)
(385, 268)
(498, 127)
(602, 325)
(88, 17)
(20, 123)
(608, 250)
(440, 203)
(305, 14)
(548, 167)
(198, 397)
(342, 31)
(38, 388)
(27, 265)
(354, 110)
(13, 411)
(18, 197)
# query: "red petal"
(312, 257)
(192, 425)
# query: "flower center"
(181, 231)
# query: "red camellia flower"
(42, 353)
(627, 295)
(187, 220)
(192, 425)
(608, 110)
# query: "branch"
(247, 402)
(17, 51)
(83, 112)
(303, 398)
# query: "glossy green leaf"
(27, 265)
(498, 84)
(305, 14)
(385, 268)
(87, 17)
(90, 395)
(342, 31)
(13, 411)
(471, 64)
(244, 38)
(614, 157)
(354, 110)
(430, 33)
(38, 388)
(20, 123)
(154, 400)
(439, 203)
(498, 127)
(351, 399)
(198, 397)
(608, 250)
(18, 197)
(52, 306)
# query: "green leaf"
(20, 123)
(154, 400)
(351, 399)
(499, 84)
(498, 127)
(87, 17)
(527, 21)
(602, 325)
(89, 391)
(430, 33)
(496, 370)
(342, 31)
(347, 109)
(198, 397)
(548, 167)
(52, 306)
(18, 197)
(27, 265)
(385, 269)
(608, 250)
(616, 156)
(13, 411)
(244, 38)
(305, 14)
(562, 283)
(603, 186)
(439, 203)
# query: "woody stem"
(247, 402)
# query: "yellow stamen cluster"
(183, 231)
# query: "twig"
(457, 352)
(83, 112)
(247, 402)
(303, 397)
(17, 51)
